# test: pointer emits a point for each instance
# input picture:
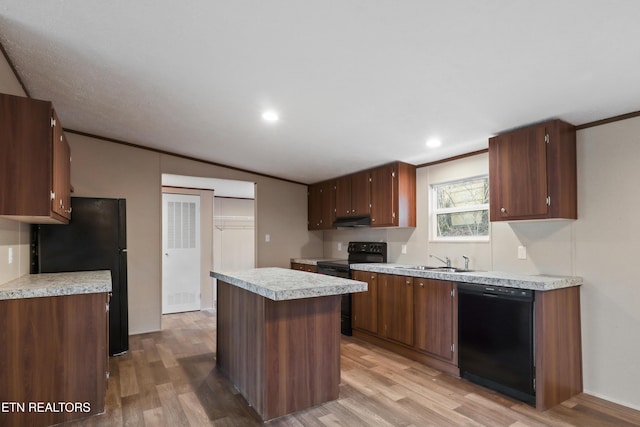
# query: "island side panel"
(240, 341)
(558, 346)
(302, 350)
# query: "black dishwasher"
(496, 339)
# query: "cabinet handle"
(503, 210)
(421, 285)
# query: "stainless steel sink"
(416, 267)
(451, 270)
(429, 268)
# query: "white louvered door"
(180, 253)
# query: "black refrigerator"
(95, 239)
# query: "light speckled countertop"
(495, 278)
(281, 284)
(57, 284)
(313, 261)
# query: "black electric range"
(359, 252)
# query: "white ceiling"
(357, 83)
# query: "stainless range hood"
(352, 221)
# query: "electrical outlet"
(522, 252)
(404, 249)
(339, 246)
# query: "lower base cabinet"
(412, 316)
(304, 267)
(418, 318)
(436, 317)
(53, 359)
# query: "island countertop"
(281, 284)
(56, 284)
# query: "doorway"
(225, 231)
(181, 253)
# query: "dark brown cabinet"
(304, 267)
(412, 316)
(395, 305)
(315, 207)
(365, 304)
(56, 353)
(387, 194)
(532, 173)
(393, 195)
(435, 308)
(353, 194)
(322, 205)
(34, 162)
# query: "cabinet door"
(518, 174)
(315, 207)
(61, 173)
(396, 307)
(361, 193)
(434, 317)
(383, 197)
(343, 196)
(365, 304)
(328, 214)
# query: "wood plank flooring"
(169, 378)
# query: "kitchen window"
(460, 210)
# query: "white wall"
(606, 255)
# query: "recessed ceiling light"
(433, 143)
(270, 116)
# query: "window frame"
(434, 212)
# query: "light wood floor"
(169, 378)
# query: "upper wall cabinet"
(386, 194)
(322, 205)
(532, 173)
(353, 194)
(393, 195)
(35, 184)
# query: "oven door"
(340, 270)
(330, 270)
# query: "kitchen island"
(53, 357)
(278, 336)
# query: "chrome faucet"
(466, 262)
(448, 260)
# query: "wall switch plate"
(339, 246)
(522, 252)
(267, 238)
(10, 256)
(404, 249)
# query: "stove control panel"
(367, 247)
